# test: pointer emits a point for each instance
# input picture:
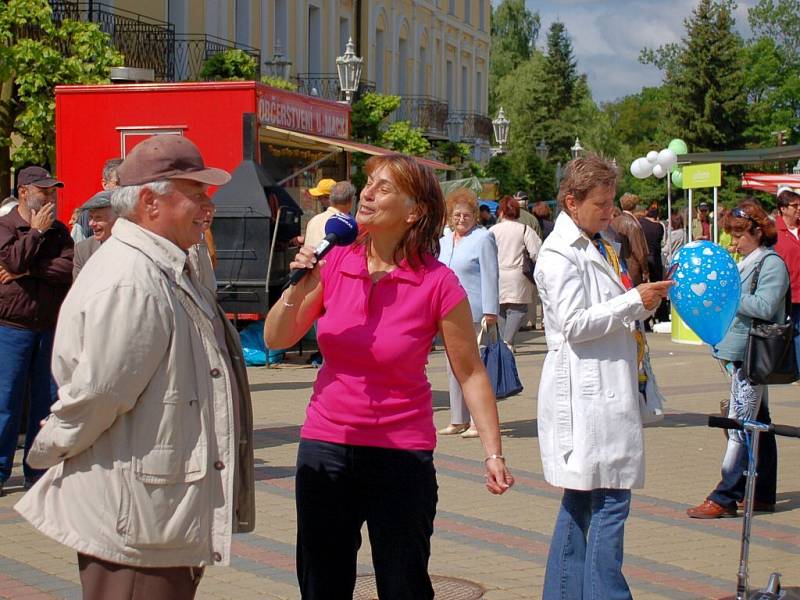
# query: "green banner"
(702, 176)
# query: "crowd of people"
(139, 453)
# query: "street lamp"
(349, 67)
(577, 148)
(796, 168)
(278, 65)
(454, 124)
(542, 150)
(500, 125)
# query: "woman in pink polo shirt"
(366, 447)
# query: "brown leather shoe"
(758, 506)
(711, 510)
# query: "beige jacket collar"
(170, 259)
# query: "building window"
(379, 59)
(242, 20)
(481, 16)
(402, 52)
(314, 39)
(467, 12)
(464, 88)
(281, 33)
(449, 82)
(451, 7)
(422, 87)
(344, 35)
(478, 92)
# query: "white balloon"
(641, 168)
(667, 158)
(659, 171)
(652, 156)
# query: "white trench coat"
(590, 427)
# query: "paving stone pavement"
(498, 542)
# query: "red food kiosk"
(276, 143)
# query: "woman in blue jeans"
(753, 234)
(590, 425)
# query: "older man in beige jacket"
(150, 442)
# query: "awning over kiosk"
(295, 138)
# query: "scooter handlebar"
(725, 423)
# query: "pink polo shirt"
(372, 389)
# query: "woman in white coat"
(590, 428)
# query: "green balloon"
(677, 178)
(678, 146)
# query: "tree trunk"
(6, 127)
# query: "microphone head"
(344, 227)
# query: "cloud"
(608, 36)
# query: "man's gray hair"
(342, 193)
(125, 198)
(110, 169)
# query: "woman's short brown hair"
(542, 210)
(748, 217)
(419, 182)
(461, 196)
(584, 174)
(509, 208)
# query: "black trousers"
(338, 488)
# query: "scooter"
(753, 430)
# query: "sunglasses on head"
(740, 213)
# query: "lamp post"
(796, 168)
(349, 68)
(278, 65)
(500, 126)
(577, 148)
(454, 125)
(542, 150)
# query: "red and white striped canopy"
(769, 182)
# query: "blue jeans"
(338, 487)
(25, 372)
(585, 559)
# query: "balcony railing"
(192, 50)
(474, 127)
(146, 43)
(149, 43)
(424, 112)
(325, 85)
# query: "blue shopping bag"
(501, 367)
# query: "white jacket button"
(215, 373)
(610, 393)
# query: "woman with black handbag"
(765, 283)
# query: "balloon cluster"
(661, 163)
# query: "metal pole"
(689, 219)
(669, 218)
(742, 584)
(272, 251)
(716, 237)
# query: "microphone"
(340, 230)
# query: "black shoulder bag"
(770, 356)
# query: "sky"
(608, 35)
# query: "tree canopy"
(36, 54)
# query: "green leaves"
(402, 137)
(369, 115)
(230, 65)
(35, 56)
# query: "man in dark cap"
(101, 219)
(35, 274)
(151, 436)
(701, 226)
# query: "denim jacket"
(767, 303)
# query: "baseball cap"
(703, 205)
(786, 188)
(39, 177)
(324, 188)
(99, 200)
(521, 197)
(167, 157)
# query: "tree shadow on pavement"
(281, 385)
(682, 420)
(526, 428)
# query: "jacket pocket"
(163, 501)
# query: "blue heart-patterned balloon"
(707, 289)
